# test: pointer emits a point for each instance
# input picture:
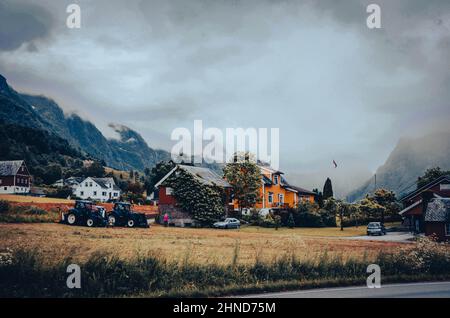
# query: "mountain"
(409, 160)
(128, 151)
(14, 110)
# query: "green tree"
(372, 209)
(245, 177)
(95, 169)
(51, 173)
(343, 210)
(327, 189)
(430, 175)
(319, 197)
(290, 221)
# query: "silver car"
(376, 228)
(228, 223)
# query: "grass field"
(203, 246)
(30, 199)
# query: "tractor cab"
(122, 208)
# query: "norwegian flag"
(335, 164)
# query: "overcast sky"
(336, 89)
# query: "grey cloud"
(158, 64)
(23, 23)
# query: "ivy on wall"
(204, 203)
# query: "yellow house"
(276, 192)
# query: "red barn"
(415, 203)
(167, 202)
(437, 219)
(14, 177)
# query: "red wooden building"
(437, 218)
(167, 202)
(14, 177)
(415, 203)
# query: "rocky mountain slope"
(409, 160)
(129, 151)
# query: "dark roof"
(301, 190)
(267, 181)
(10, 168)
(205, 176)
(438, 210)
(269, 168)
(425, 187)
(102, 182)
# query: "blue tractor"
(122, 215)
(85, 213)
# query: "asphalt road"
(403, 237)
(411, 290)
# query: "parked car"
(122, 215)
(228, 223)
(265, 211)
(85, 213)
(376, 228)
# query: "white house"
(72, 182)
(101, 189)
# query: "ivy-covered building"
(193, 196)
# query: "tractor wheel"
(112, 220)
(90, 222)
(131, 223)
(71, 219)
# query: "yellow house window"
(275, 179)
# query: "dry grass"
(323, 232)
(29, 199)
(117, 173)
(310, 231)
(203, 246)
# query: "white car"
(264, 212)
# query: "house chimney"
(426, 198)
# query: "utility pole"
(375, 182)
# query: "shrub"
(4, 206)
(309, 219)
(33, 210)
(26, 274)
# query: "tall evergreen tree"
(327, 189)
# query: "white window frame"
(169, 191)
(270, 197)
(281, 198)
(447, 229)
(275, 179)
